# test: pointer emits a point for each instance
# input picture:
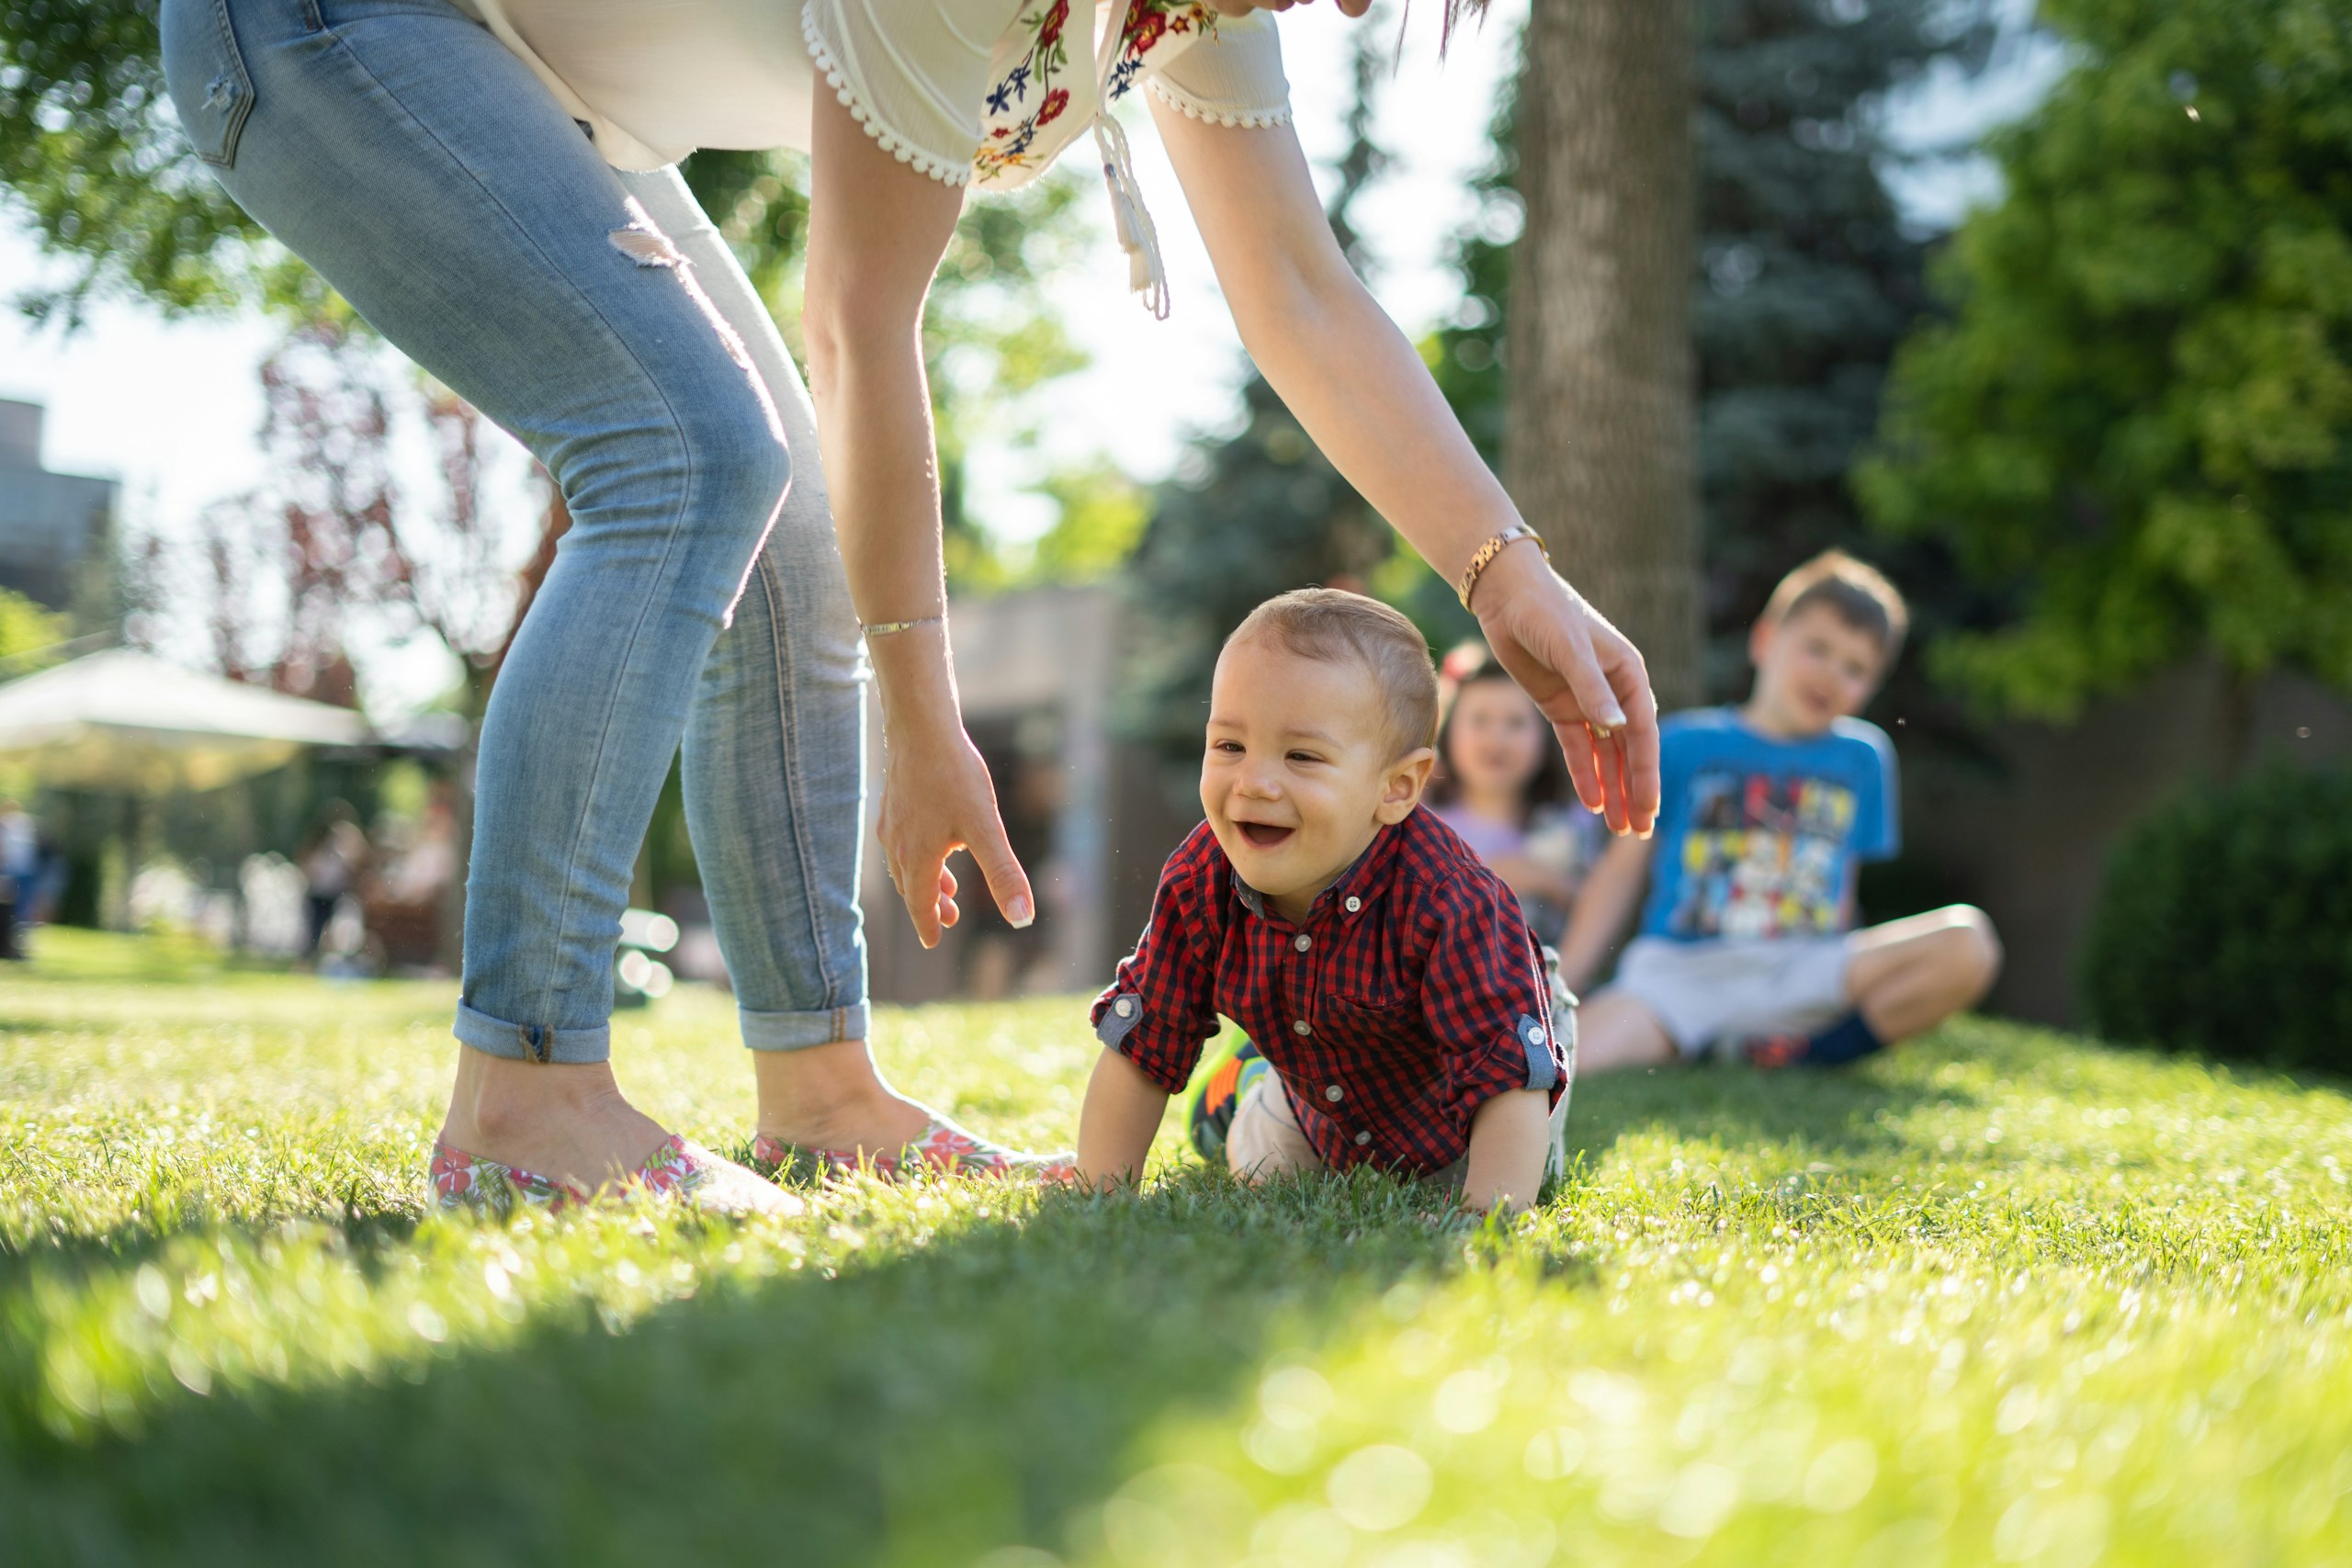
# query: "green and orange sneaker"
(1225, 1074)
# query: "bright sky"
(171, 408)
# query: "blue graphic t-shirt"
(1760, 838)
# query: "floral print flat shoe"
(678, 1169)
(944, 1148)
(462, 1180)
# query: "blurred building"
(1091, 816)
(52, 526)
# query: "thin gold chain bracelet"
(1488, 551)
(892, 628)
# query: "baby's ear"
(1401, 790)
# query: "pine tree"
(1806, 280)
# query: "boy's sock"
(1848, 1040)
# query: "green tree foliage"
(1806, 282)
(1102, 518)
(2137, 427)
(25, 630)
(89, 148)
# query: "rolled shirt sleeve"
(1160, 1007)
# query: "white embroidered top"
(966, 91)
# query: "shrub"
(2225, 925)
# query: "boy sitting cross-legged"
(1767, 811)
(1386, 976)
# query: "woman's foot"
(677, 1169)
(831, 1105)
(565, 1122)
(555, 1133)
(944, 1148)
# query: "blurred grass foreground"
(2004, 1297)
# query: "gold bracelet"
(892, 628)
(1488, 551)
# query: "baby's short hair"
(1857, 593)
(1331, 623)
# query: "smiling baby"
(1386, 977)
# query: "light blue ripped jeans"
(401, 149)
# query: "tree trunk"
(1598, 440)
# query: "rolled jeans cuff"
(532, 1042)
(799, 1031)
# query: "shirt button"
(1536, 1034)
(1354, 903)
(1302, 942)
(1335, 1093)
(1362, 1138)
(1125, 1007)
(1302, 1027)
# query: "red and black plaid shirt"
(1411, 995)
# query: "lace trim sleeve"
(1259, 119)
(945, 171)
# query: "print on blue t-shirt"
(1760, 838)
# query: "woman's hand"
(936, 799)
(1586, 677)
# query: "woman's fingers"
(1580, 667)
(1636, 738)
(1592, 736)
(918, 890)
(1008, 883)
(1584, 764)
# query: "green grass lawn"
(2006, 1297)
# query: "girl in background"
(1501, 784)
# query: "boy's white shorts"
(1706, 991)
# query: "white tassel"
(1146, 273)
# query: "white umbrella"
(130, 723)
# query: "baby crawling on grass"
(1386, 977)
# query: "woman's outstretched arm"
(1365, 396)
(877, 229)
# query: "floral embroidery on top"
(1035, 56)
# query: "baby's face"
(1301, 768)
